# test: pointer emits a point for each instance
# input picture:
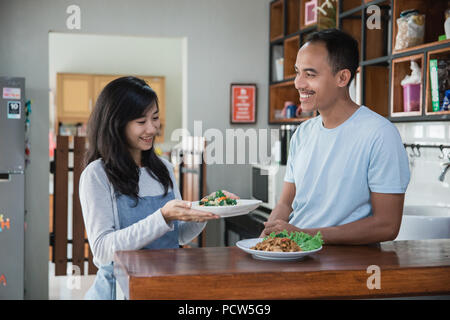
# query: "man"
(347, 170)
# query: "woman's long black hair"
(122, 100)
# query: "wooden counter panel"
(406, 268)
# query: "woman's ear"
(343, 78)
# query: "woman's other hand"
(181, 210)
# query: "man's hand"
(277, 226)
(279, 217)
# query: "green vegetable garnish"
(218, 199)
(305, 241)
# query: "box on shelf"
(434, 85)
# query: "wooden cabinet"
(100, 81)
(74, 97)
(78, 93)
(381, 69)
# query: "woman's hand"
(181, 210)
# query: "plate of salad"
(282, 246)
(222, 205)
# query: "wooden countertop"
(407, 268)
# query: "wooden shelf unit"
(276, 20)
(434, 20)
(401, 67)
(348, 5)
(435, 54)
(381, 67)
(291, 47)
(378, 76)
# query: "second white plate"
(243, 206)
(271, 255)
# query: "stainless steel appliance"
(267, 183)
(12, 187)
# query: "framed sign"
(243, 103)
(310, 12)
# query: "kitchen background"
(201, 47)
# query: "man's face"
(314, 80)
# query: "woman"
(128, 194)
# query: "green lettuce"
(305, 241)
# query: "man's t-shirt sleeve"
(388, 167)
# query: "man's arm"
(383, 225)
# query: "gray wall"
(227, 42)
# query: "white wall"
(424, 187)
(124, 55)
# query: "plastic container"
(447, 23)
(411, 97)
(446, 102)
(279, 69)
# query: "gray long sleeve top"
(98, 204)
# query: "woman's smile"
(148, 140)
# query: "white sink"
(425, 222)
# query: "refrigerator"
(12, 187)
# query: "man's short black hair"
(343, 52)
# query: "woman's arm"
(104, 235)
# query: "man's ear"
(343, 78)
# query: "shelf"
(348, 5)
(376, 94)
(279, 94)
(291, 47)
(352, 25)
(376, 42)
(440, 55)
(293, 16)
(276, 20)
(276, 54)
(401, 68)
(434, 20)
(422, 47)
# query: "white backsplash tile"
(424, 187)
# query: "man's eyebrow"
(310, 70)
(306, 69)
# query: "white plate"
(243, 207)
(271, 255)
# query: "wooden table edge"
(326, 284)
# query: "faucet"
(444, 171)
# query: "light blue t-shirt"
(335, 170)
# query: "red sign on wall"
(243, 103)
(3, 280)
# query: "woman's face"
(141, 132)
